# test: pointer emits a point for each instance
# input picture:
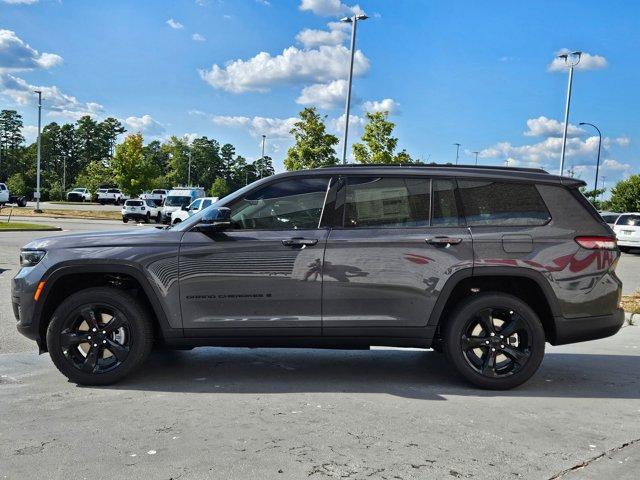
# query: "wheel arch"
(527, 284)
(64, 280)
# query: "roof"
(471, 172)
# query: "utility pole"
(354, 24)
(476, 157)
(595, 188)
(37, 194)
(264, 137)
(571, 59)
(457, 151)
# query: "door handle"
(443, 241)
(299, 242)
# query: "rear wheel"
(495, 341)
(147, 219)
(98, 336)
(125, 220)
(158, 218)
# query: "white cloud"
(324, 95)
(329, 8)
(16, 55)
(145, 125)
(196, 37)
(587, 62)
(622, 141)
(356, 123)
(20, 2)
(55, 102)
(266, 3)
(336, 35)
(174, 24)
(293, 66)
(615, 165)
(271, 127)
(30, 133)
(385, 105)
(548, 127)
(197, 113)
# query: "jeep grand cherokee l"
(484, 264)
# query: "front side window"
(177, 201)
(288, 204)
(392, 202)
(195, 205)
(206, 203)
(501, 203)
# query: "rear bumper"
(573, 330)
(629, 243)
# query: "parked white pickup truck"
(79, 195)
(6, 197)
(156, 196)
(111, 195)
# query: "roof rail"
(437, 165)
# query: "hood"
(142, 237)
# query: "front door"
(265, 272)
(386, 264)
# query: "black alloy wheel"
(494, 340)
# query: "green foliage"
(314, 147)
(93, 176)
(625, 196)
(132, 172)
(378, 143)
(219, 188)
(17, 185)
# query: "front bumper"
(573, 330)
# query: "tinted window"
(151, 203)
(206, 203)
(499, 203)
(195, 205)
(113, 190)
(445, 209)
(386, 202)
(134, 203)
(288, 204)
(630, 220)
(610, 218)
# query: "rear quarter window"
(502, 203)
(629, 220)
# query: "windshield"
(78, 190)
(177, 201)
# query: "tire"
(492, 361)
(158, 218)
(147, 219)
(177, 221)
(125, 220)
(130, 349)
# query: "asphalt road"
(291, 414)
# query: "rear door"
(390, 253)
(263, 274)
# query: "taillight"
(597, 243)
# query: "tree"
(11, 140)
(17, 184)
(177, 151)
(625, 196)
(219, 188)
(379, 146)
(227, 157)
(263, 167)
(314, 147)
(131, 170)
(206, 163)
(592, 196)
(94, 176)
(108, 131)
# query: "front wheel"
(494, 340)
(99, 335)
(158, 218)
(147, 219)
(125, 220)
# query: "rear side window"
(500, 203)
(629, 220)
(610, 218)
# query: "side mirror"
(185, 208)
(215, 219)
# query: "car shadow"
(413, 374)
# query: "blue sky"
(478, 73)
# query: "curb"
(50, 229)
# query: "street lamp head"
(564, 56)
(346, 20)
(362, 17)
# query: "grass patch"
(60, 213)
(631, 303)
(20, 226)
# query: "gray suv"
(482, 264)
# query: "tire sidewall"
(138, 325)
(458, 320)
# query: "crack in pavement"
(587, 462)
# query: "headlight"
(29, 258)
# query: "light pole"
(264, 137)
(595, 188)
(37, 194)
(189, 172)
(457, 151)
(354, 22)
(476, 157)
(571, 59)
